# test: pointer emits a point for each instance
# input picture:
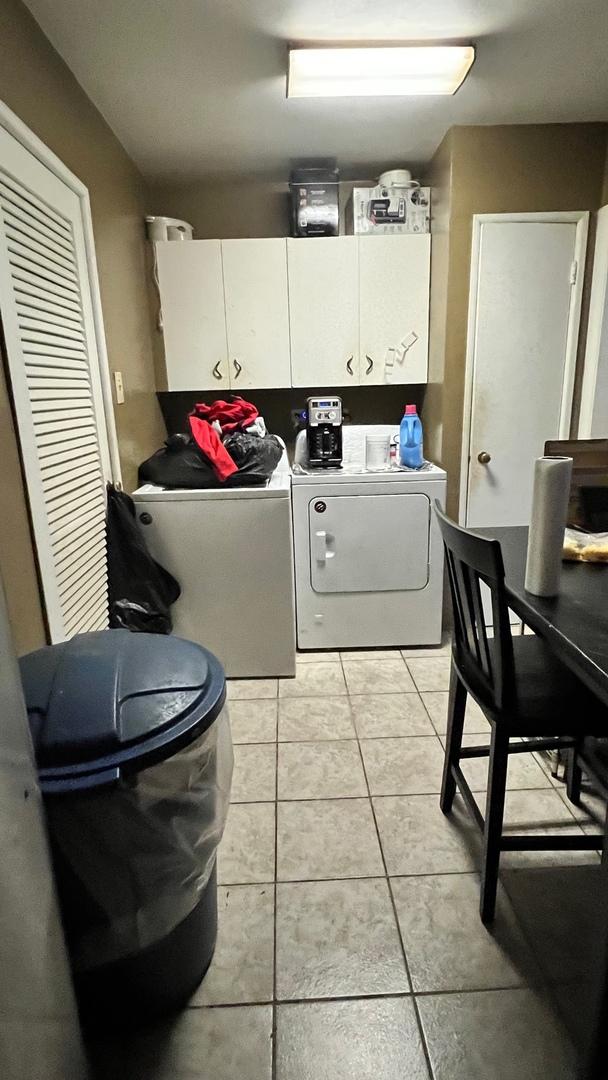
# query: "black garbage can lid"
(107, 704)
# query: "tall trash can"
(134, 755)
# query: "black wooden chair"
(524, 692)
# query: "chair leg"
(495, 808)
(457, 704)
(574, 778)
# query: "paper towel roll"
(546, 536)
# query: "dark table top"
(575, 622)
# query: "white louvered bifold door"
(49, 334)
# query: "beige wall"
(39, 88)
(479, 170)
(225, 211)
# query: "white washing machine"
(368, 551)
(231, 551)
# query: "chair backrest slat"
(473, 561)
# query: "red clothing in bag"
(231, 415)
(208, 440)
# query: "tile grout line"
(408, 976)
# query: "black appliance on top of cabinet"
(324, 432)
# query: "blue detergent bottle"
(410, 439)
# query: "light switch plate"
(119, 388)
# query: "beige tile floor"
(349, 940)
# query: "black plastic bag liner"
(253, 455)
(140, 590)
(181, 464)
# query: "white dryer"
(368, 552)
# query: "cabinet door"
(194, 325)
(323, 308)
(394, 307)
(257, 312)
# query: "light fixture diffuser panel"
(381, 71)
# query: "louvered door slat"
(18, 233)
(78, 539)
(33, 294)
(51, 346)
(51, 327)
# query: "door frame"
(598, 316)
(20, 131)
(581, 219)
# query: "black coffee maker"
(324, 432)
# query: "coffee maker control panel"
(324, 411)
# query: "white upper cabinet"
(394, 308)
(324, 310)
(257, 312)
(194, 323)
(315, 312)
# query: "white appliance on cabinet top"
(368, 552)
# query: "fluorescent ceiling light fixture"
(381, 71)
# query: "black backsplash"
(362, 404)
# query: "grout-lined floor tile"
(314, 679)
(411, 766)
(390, 715)
(250, 689)
(241, 971)
(494, 1035)
(222, 1043)
(327, 839)
(337, 939)
(377, 676)
(375, 1039)
(523, 772)
(320, 770)
(431, 673)
(253, 721)
(436, 704)
(246, 853)
(417, 838)
(446, 944)
(312, 719)
(254, 778)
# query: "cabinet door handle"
(370, 364)
(216, 371)
(349, 365)
(237, 368)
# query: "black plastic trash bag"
(140, 590)
(254, 456)
(181, 464)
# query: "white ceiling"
(196, 88)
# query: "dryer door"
(369, 543)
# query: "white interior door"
(593, 419)
(51, 349)
(257, 313)
(192, 305)
(523, 325)
(394, 308)
(324, 310)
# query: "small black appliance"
(324, 432)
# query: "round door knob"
(146, 519)
(484, 458)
